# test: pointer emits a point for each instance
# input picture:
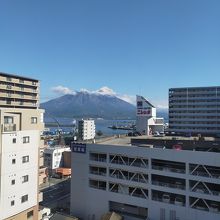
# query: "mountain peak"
(100, 104)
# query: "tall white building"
(146, 118)
(194, 110)
(86, 129)
(145, 182)
(21, 125)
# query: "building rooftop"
(199, 87)
(176, 143)
(122, 140)
(18, 76)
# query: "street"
(57, 196)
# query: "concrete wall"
(15, 172)
(67, 159)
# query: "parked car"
(156, 134)
(166, 198)
(179, 201)
(162, 134)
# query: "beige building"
(21, 126)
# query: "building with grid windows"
(194, 110)
(21, 125)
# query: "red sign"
(143, 112)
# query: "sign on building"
(78, 148)
(143, 111)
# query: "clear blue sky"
(131, 46)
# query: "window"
(25, 159)
(25, 178)
(8, 79)
(26, 139)
(34, 83)
(8, 102)
(13, 161)
(8, 87)
(14, 140)
(8, 120)
(13, 182)
(24, 198)
(21, 80)
(30, 214)
(139, 103)
(33, 120)
(12, 202)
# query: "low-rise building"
(146, 118)
(54, 158)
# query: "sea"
(68, 125)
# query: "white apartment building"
(21, 125)
(194, 110)
(86, 129)
(53, 158)
(146, 118)
(145, 182)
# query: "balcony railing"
(169, 169)
(170, 185)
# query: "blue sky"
(131, 46)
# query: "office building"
(194, 110)
(146, 118)
(86, 129)
(145, 182)
(21, 125)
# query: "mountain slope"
(83, 104)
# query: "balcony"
(9, 127)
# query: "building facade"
(194, 110)
(146, 117)
(21, 126)
(144, 183)
(54, 158)
(86, 129)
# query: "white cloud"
(162, 106)
(128, 98)
(61, 90)
(106, 91)
(85, 90)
